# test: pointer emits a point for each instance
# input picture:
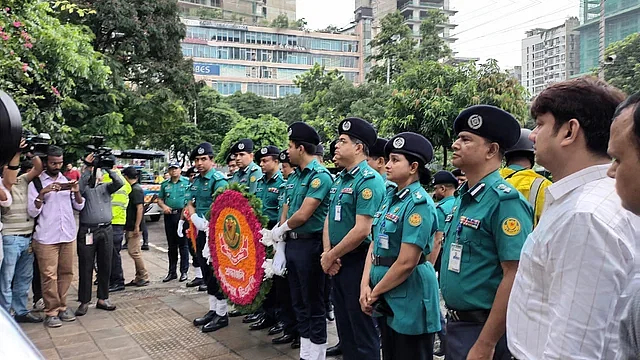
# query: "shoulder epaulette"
(418, 197)
(505, 191)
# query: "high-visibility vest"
(119, 200)
(531, 185)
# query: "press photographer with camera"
(95, 236)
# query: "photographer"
(95, 236)
(17, 266)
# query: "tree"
(281, 21)
(331, 29)
(288, 108)
(432, 46)
(316, 79)
(265, 130)
(624, 71)
(394, 43)
(215, 117)
(250, 105)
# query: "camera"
(36, 144)
(10, 128)
(103, 156)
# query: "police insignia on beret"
(232, 156)
(241, 146)
(346, 125)
(264, 151)
(315, 183)
(475, 121)
(511, 226)
(283, 156)
(367, 194)
(398, 143)
(290, 131)
(200, 150)
(415, 219)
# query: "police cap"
(203, 149)
(409, 143)
(284, 157)
(359, 129)
(489, 122)
(458, 172)
(319, 150)
(523, 144)
(377, 150)
(299, 131)
(174, 165)
(230, 158)
(444, 177)
(191, 170)
(267, 151)
(244, 145)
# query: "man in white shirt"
(577, 262)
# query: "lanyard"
(458, 231)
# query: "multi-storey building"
(245, 11)
(622, 18)
(550, 55)
(414, 12)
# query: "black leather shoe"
(202, 287)
(114, 288)
(296, 343)
(183, 277)
(105, 305)
(330, 314)
(205, 319)
(137, 283)
(334, 350)
(195, 282)
(82, 309)
(251, 318)
(144, 247)
(217, 323)
(264, 323)
(276, 329)
(284, 339)
(28, 318)
(234, 313)
(170, 277)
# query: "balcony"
(426, 5)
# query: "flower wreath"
(238, 256)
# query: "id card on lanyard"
(383, 238)
(455, 255)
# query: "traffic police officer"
(519, 173)
(302, 222)
(398, 284)
(356, 195)
(248, 172)
(231, 164)
(173, 196)
(484, 235)
(377, 160)
(460, 175)
(445, 184)
(208, 181)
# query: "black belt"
(105, 224)
(473, 316)
(292, 235)
(389, 260)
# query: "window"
(227, 88)
(285, 90)
(268, 90)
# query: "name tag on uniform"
(383, 241)
(338, 213)
(333, 190)
(89, 239)
(448, 218)
(347, 191)
(454, 257)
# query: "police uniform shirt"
(443, 209)
(491, 222)
(204, 187)
(359, 191)
(409, 217)
(248, 177)
(175, 195)
(313, 182)
(282, 196)
(268, 191)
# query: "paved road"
(154, 322)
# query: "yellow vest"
(119, 200)
(531, 185)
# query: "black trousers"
(36, 284)
(213, 288)
(462, 335)
(176, 244)
(306, 282)
(117, 275)
(396, 346)
(285, 312)
(102, 249)
(355, 329)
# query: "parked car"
(147, 180)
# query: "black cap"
(359, 129)
(377, 150)
(332, 148)
(284, 157)
(458, 172)
(130, 172)
(523, 144)
(299, 131)
(267, 151)
(319, 150)
(410, 144)
(489, 122)
(230, 157)
(191, 170)
(444, 177)
(203, 149)
(245, 145)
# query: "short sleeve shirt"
(248, 177)
(204, 187)
(313, 182)
(175, 195)
(136, 197)
(443, 209)
(268, 191)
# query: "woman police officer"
(398, 283)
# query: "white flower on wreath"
(267, 238)
(206, 252)
(267, 265)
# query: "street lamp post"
(396, 39)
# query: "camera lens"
(10, 128)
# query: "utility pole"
(601, 46)
(396, 39)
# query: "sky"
(486, 28)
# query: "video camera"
(10, 128)
(103, 156)
(36, 144)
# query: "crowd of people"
(526, 268)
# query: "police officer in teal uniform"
(484, 235)
(248, 172)
(206, 183)
(173, 196)
(398, 284)
(377, 160)
(302, 224)
(356, 195)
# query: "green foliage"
(282, 22)
(250, 105)
(331, 29)
(265, 130)
(209, 14)
(394, 41)
(432, 46)
(289, 108)
(624, 71)
(215, 118)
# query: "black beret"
(230, 157)
(377, 150)
(299, 131)
(332, 148)
(267, 151)
(319, 150)
(489, 122)
(358, 128)
(191, 170)
(410, 144)
(203, 149)
(245, 145)
(458, 172)
(284, 157)
(444, 177)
